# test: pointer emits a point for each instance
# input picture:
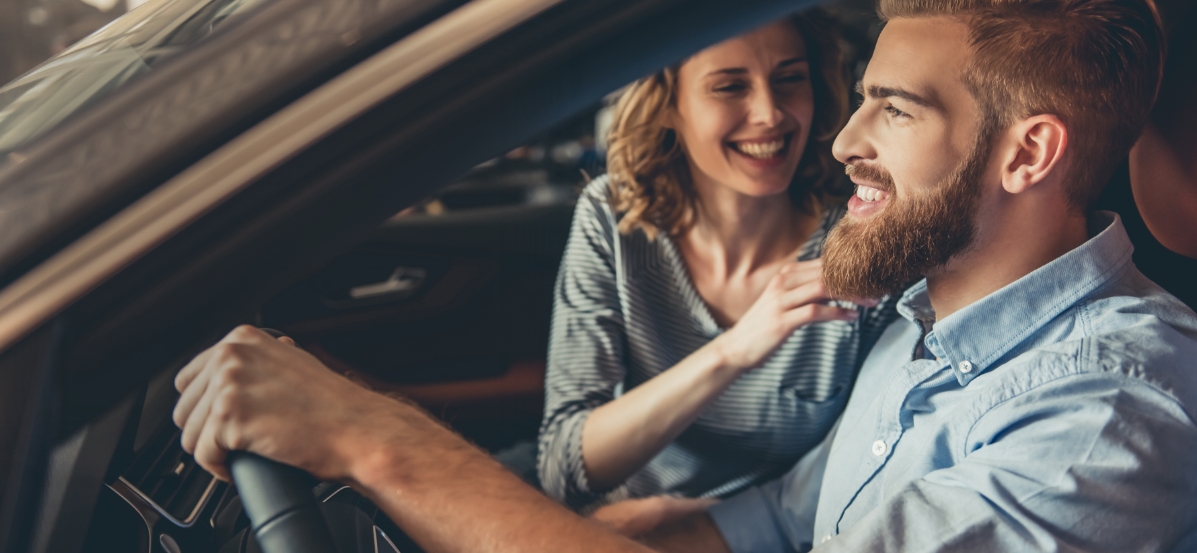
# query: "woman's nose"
(765, 109)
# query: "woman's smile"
(765, 152)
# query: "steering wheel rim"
(283, 513)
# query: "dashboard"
(156, 499)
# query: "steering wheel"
(277, 498)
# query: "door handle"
(403, 281)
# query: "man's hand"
(255, 393)
(696, 533)
(636, 517)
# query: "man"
(1037, 395)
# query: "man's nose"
(852, 143)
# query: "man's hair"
(649, 176)
(1095, 64)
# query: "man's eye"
(895, 112)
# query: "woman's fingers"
(815, 313)
(799, 273)
(811, 292)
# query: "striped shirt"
(625, 310)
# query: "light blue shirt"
(1056, 414)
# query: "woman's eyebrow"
(792, 61)
(878, 92)
(743, 70)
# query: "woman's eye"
(895, 112)
(730, 88)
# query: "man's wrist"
(402, 448)
(373, 451)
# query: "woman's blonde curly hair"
(648, 174)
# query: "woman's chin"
(762, 188)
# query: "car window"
(106, 61)
(548, 170)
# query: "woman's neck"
(737, 234)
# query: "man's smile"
(867, 200)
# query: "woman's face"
(744, 110)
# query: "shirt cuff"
(748, 524)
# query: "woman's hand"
(636, 517)
(622, 435)
(794, 297)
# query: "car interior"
(447, 302)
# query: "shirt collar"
(972, 339)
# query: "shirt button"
(966, 367)
(826, 538)
(879, 448)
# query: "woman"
(691, 355)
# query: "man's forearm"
(451, 497)
(694, 534)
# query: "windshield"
(106, 61)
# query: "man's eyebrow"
(743, 70)
(929, 101)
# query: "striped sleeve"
(586, 347)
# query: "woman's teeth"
(870, 194)
(761, 150)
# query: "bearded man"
(1038, 393)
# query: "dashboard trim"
(125, 489)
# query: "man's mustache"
(875, 176)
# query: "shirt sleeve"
(778, 516)
(1082, 464)
(586, 347)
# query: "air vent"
(169, 479)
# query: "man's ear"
(1037, 152)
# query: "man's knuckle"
(225, 352)
(243, 331)
(227, 376)
(226, 406)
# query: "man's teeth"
(761, 150)
(870, 194)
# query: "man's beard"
(909, 238)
